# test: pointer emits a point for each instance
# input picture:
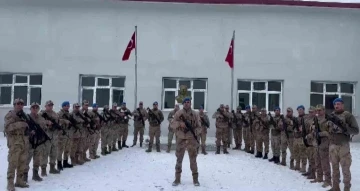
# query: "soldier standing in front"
(140, 116)
(263, 135)
(64, 141)
(156, 117)
(299, 147)
(237, 127)
(277, 124)
(287, 138)
(309, 139)
(186, 139)
(222, 124)
(205, 124)
(17, 142)
(171, 131)
(125, 115)
(94, 141)
(339, 145)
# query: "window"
(264, 94)
(103, 90)
(24, 86)
(325, 93)
(197, 90)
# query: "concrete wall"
(63, 39)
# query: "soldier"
(310, 150)
(50, 146)
(125, 115)
(17, 142)
(205, 124)
(299, 147)
(287, 138)
(115, 115)
(254, 123)
(106, 132)
(227, 109)
(247, 130)
(88, 133)
(156, 117)
(186, 140)
(64, 141)
(263, 135)
(140, 116)
(277, 124)
(339, 144)
(321, 133)
(94, 141)
(222, 124)
(35, 151)
(237, 127)
(77, 130)
(171, 132)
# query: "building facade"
(284, 55)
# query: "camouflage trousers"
(154, 132)
(86, 139)
(94, 144)
(340, 155)
(322, 163)
(238, 135)
(17, 155)
(170, 136)
(311, 158)
(222, 136)
(114, 130)
(35, 155)
(106, 136)
(49, 151)
(300, 154)
(286, 143)
(76, 148)
(191, 146)
(202, 136)
(248, 139)
(63, 146)
(230, 135)
(123, 132)
(139, 130)
(275, 145)
(262, 139)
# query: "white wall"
(63, 39)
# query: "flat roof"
(262, 2)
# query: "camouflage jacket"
(78, 129)
(289, 126)
(171, 116)
(137, 117)
(297, 131)
(115, 115)
(107, 117)
(94, 116)
(127, 115)
(222, 119)
(155, 114)
(264, 124)
(53, 115)
(190, 116)
(204, 120)
(14, 125)
(237, 120)
(310, 136)
(63, 119)
(338, 136)
(256, 120)
(276, 131)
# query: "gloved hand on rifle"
(182, 126)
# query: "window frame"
(251, 91)
(176, 90)
(96, 86)
(338, 92)
(14, 84)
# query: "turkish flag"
(131, 45)
(230, 55)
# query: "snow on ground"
(134, 170)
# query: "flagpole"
(232, 73)
(135, 90)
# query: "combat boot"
(124, 144)
(225, 150)
(25, 177)
(203, 151)
(74, 161)
(168, 148)
(107, 150)
(10, 185)
(311, 176)
(228, 145)
(265, 156)
(258, 155)
(103, 151)
(196, 179)
(217, 150)
(66, 164)
(119, 145)
(20, 182)
(283, 161)
(59, 165)
(177, 179)
(53, 170)
(319, 178)
(347, 187)
(113, 148)
(140, 144)
(277, 160)
(306, 174)
(79, 160)
(43, 171)
(85, 158)
(326, 184)
(158, 148)
(36, 176)
(134, 144)
(149, 149)
(272, 159)
(292, 164)
(251, 151)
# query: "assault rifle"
(296, 124)
(189, 127)
(337, 121)
(54, 123)
(272, 121)
(73, 122)
(87, 122)
(244, 119)
(304, 133)
(40, 136)
(284, 126)
(151, 113)
(102, 119)
(317, 130)
(204, 122)
(141, 116)
(235, 118)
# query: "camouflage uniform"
(299, 147)
(106, 132)
(115, 114)
(202, 135)
(124, 126)
(94, 142)
(139, 127)
(155, 129)
(310, 150)
(64, 141)
(247, 133)
(222, 125)
(340, 147)
(76, 131)
(18, 144)
(237, 128)
(287, 142)
(276, 137)
(50, 147)
(186, 141)
(171, 131)
(88, 134)
(262, 135)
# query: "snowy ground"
(134, 170)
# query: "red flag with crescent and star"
(230, 55)
(131, 45)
